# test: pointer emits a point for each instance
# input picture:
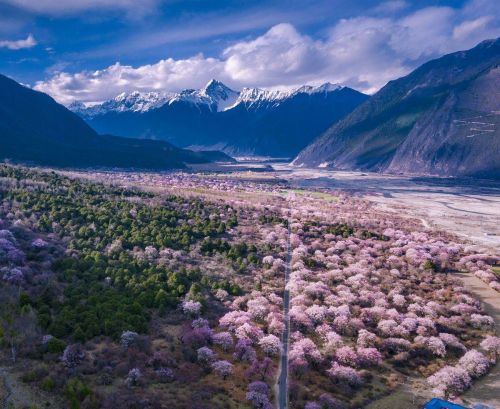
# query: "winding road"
(283, 377)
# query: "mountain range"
(35, 128)
(253, 121)
(441, 119)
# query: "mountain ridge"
(211, 94)
(36, 129)
(252, 121)
(412, 124)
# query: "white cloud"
(18, 44)
(471, 28)
(95, 86)
(424, 33)
(71, 7)
(279, 56)
(360, 54)
(391, 6)
(363, 52)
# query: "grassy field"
(313, 194)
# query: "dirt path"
(487, 389)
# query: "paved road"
(283, 377)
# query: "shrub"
(75, 392)
(206, 356)
(474, 363)
(72, 356)
(369, 357)
(165, 374)
(327, 402)
(345, 374)
(258, 394)
(224, 340)
(191, 308)
(55, 345)
(491, 344)
(270, 344)
(48, 384)
(222, 368)
(244, 351)
(346, 356)
(128, 338)
(481, 321)
(450, 380)
(29, 376)
(134, 376)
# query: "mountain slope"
(443, 119)
(250, 122)
(34, 128)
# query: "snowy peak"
(138, 101)
(216, 95)
(217, 90)
(221, 95)
(135, 101)
(193, 96)
(324, 88)
(253, 97)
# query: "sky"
(93, 50)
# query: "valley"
(189, 271)
(249, 205)
(252, 121)
(469, 208)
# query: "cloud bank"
(73, 7)
(362, 52)
(18, 44)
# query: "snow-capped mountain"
(215, 95)
(251, 121)
(135, 101)
(261, 98)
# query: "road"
(283, 377)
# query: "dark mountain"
(34, 128)
(442, 119)
(250, 122)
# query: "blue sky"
(91, 50)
